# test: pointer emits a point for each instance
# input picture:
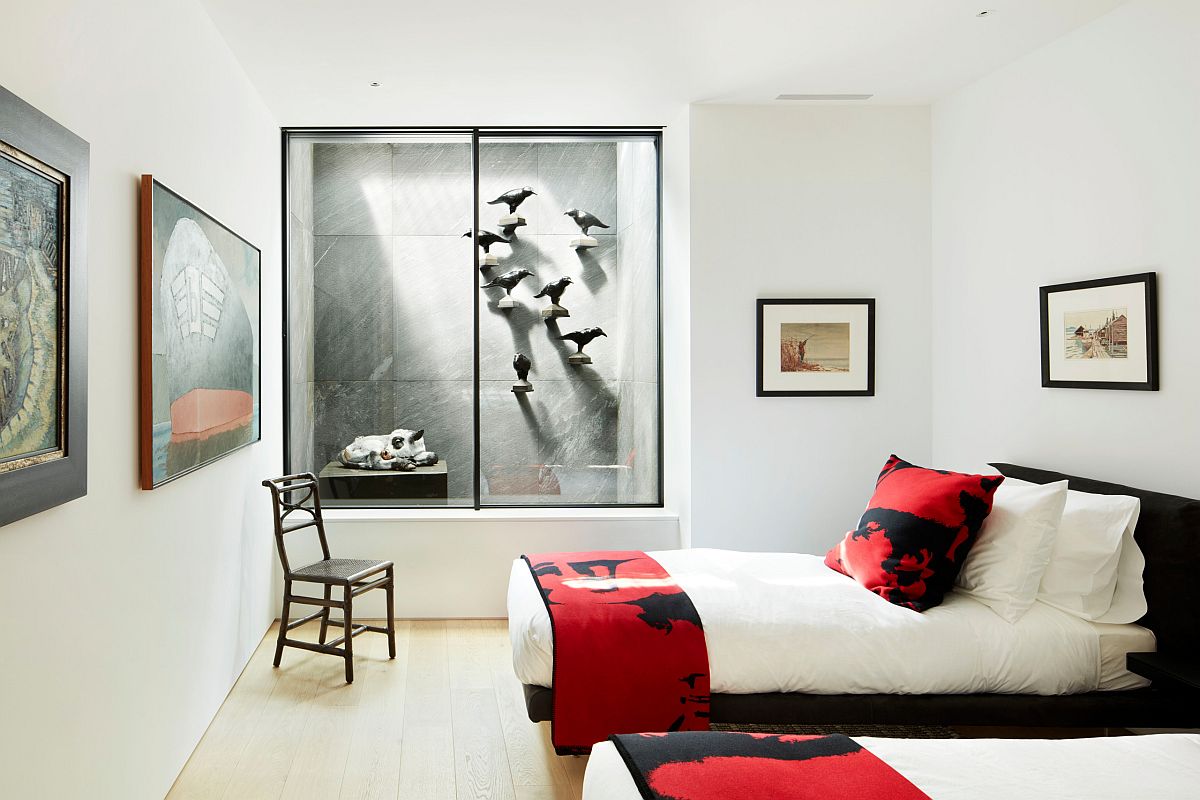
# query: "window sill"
(489, 514)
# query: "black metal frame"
(353, 584)
(653, 132)
(869, 302)
(40, 486)
(1150, 280)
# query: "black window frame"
(655, 133)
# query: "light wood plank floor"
(444, 721)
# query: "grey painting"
(203, 295)
(32, 198)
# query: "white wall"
(803, 202)
(127, 615)
(1078, 161)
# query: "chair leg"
(348, 613)
(391, 614)
(283, 621)
(325, 613)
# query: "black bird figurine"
(487, 239)
(521, 364)
(508, 280)
(584, 220)
(583, 337)
(555, 289)
(513, 198)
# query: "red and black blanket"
(751, 766)
(629, 652)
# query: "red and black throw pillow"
(916, 532)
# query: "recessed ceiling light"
(376, 83)
(987, 12)
(824, 97)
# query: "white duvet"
(1162, 767)
(784, 622)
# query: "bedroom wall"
(803, 202)
(1077, 161)
(129, 614)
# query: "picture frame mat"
(1132, 369)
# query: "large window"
(398, 323)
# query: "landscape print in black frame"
(1101, 334)
(43, 311)
(199, 332)
(816, 347)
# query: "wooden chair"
(353, 575)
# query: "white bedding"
(784, 622)
(1161, 767)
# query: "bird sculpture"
(521, 364)
(508, 280)
(582, 338)
(513, 198)
(584, 220)
(487, 239)
(555, 289)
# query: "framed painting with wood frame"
(43, 311)
(816, 348)
(199, 353)
(1101, 334)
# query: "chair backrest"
(286, 502)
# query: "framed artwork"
(198, 337)
(43, 311)
(812, 348)
(1101, 334)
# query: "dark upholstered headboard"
(1168, 531)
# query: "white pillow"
(1081, 577)
(1129, 598)
(1005, 566)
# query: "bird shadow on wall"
(594, 275)
(524, 252)
(521, 319)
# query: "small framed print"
(814, 348)
(1101, 334)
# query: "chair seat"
(339, 570)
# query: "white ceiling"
(628, 62)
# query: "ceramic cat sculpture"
(401, 449)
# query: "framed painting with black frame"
(816, 348)
(1101, 334)
(43, 311)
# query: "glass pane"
(381, 318)
(583, 428)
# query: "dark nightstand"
(1166, 671)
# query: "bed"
(1164, 767)
(956, 664)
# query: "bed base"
(1135, 708)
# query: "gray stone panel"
(300, 182)
(300, 301)
(352, 189)
(445, 411)
(578, 175)
(638, 442)
(510, 436)
(343, 410)
(300, 433)
(432, 308)
(637, 184)
(353, 314)
(431, 189)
